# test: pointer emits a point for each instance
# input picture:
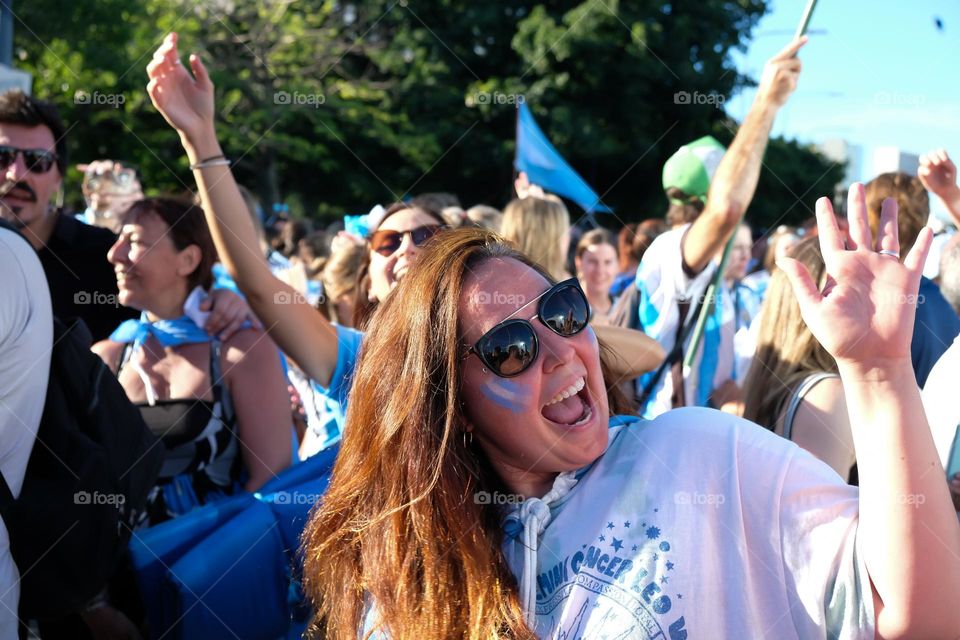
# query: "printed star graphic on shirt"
(670, 566)
(664, 580)
(609, 525)
(653, 533)
(602, 538)
(633, 548)
(617, 544)
(626, 525)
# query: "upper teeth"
(569, 391)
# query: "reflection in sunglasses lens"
(566, 311)
(510, 349)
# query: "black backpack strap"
(676, 354)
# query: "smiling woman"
(220, 407)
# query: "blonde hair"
(340, 272)
(536, 226)
(787, 352)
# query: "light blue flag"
(545, 167)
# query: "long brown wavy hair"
(786, 352)
(399, 525)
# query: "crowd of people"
(684, 427)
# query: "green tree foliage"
(332, 106)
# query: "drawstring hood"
(524, 524)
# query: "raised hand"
(938, 173)
(780, 74)
(864, 315)
(185, 101)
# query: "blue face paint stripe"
(504, 393)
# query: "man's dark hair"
(683, 208)
(16, 107)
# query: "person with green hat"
(708, 191)
(686, 178)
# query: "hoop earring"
(465, 444)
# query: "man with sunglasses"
(33, 161)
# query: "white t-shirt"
(26, 336)
(940, 402)
(662, 281)
(697, 524)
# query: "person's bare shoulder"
(109, 351)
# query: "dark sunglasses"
(36, 160)
(510, 347)
(387, 241)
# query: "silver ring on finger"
(889, 252)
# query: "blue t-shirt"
(934, 329)
(329, 404)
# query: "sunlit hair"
(340, 275)
(913, 205)
(399, 525)
(340, 272)
(787, 352)
(537, 227)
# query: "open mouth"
(572, 407)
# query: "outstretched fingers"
(917, 256)
(199, 71)
(808, 296)
(888, 234)
(831, 240)
(860, 235)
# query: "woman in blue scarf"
(220, 407)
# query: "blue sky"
(874, 73)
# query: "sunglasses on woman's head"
(387, 241)
(509, 348)
(36, 160)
